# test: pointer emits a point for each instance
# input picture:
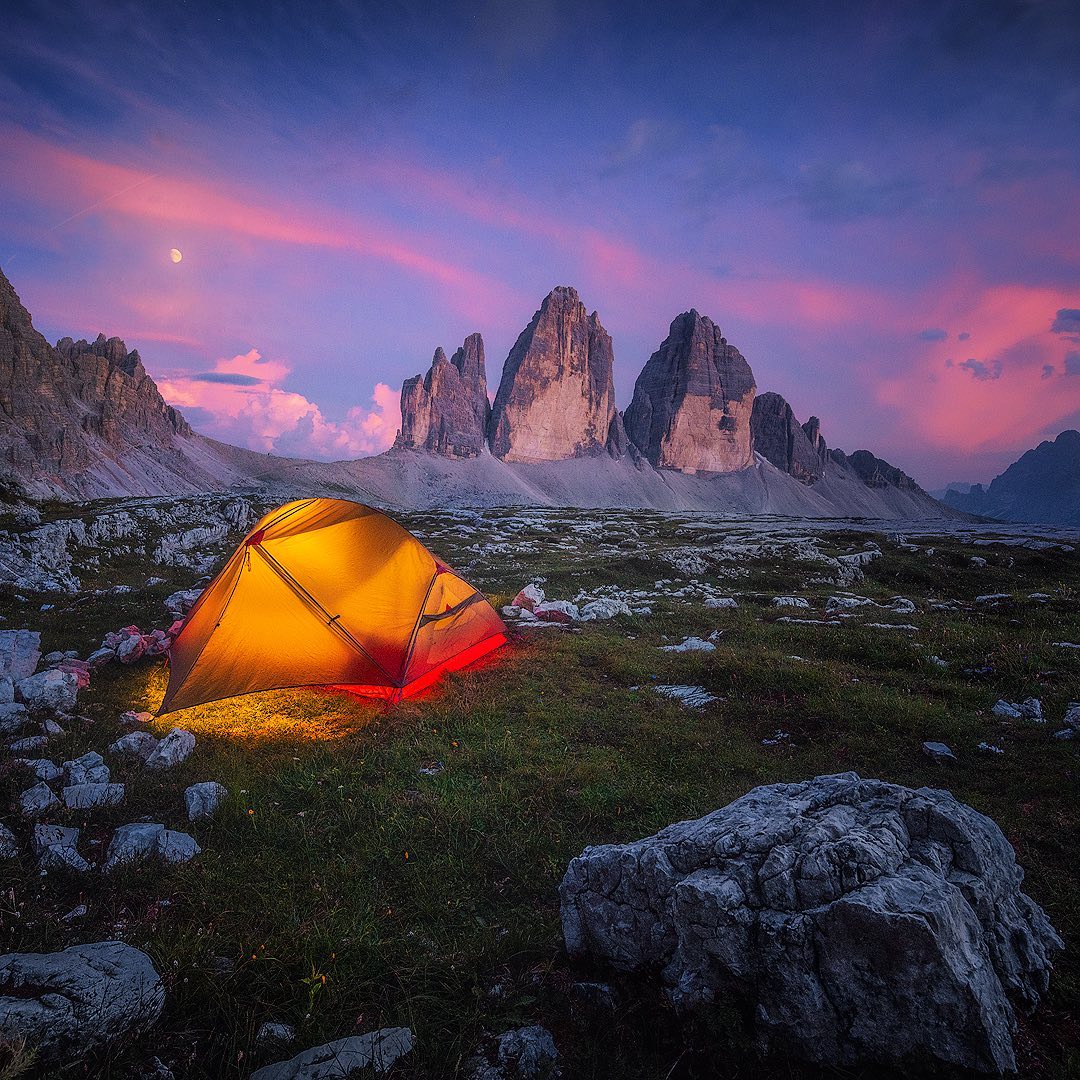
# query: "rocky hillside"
(1043, 485)
(84, 419)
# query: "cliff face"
(693, 401)
(779, 437)
(556, 399)
(446, 411)
(84, 418)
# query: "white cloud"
(240, 401)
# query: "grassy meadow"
(340, 889)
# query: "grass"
(340, 890)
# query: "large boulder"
(556, 398)
(865, 921)
(51, 689)
(20, 651)
(693, 400)
(69, 1003)
(377, 1051)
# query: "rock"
(1031, 709)
(377, 1050)
(203, 800)
(93, 796)
(590, 1000)
(992, 598)
(67, 1004)
(7, 690)
(181, 602)
(144, 840)
(690, 644)
(720, 602)
(56, 848)
(938, 753)
(1005, 709)
(528, 1053)
(9, 846)
(556, 398)
(131, 717)
(1072, 716)
(88, 769)
(171, 750)
(136, 744)
(989, 748)
(865, 921)
(13, 717)
(51, 729)
(37, 800)
(20, 651)
(446, 412)
(603, 608)
(561, 611)
(131, 649)
(51, 689)
(694, 697)
(529, 597)
(780, 439)
(100, 657)
(273, 1034)
(32, 744)
(790, 601)
(693, 401)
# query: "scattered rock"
(1072, 715)
(181, 602)
(136, 744)
(693, 697)
(32, 744)
(88, 769)
(1004, 709)
(938, 753)
(172, 750)
(69, 1003)
(431, 769)
(720, 602)
(937, 662)
(1031, 709)
(50, 689)
(867, 921)
(989, 748)
(526, 1053)
(603, 608)
(377, 1050)
(37, 800)
(13, 717)
(9, 846)
(203, 800)
(93, 796)
(20, 651)
(132, 718)
(56, 848)
(690, 644)
(790, 601)
(993, 598)
(143, 840)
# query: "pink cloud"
(243, 403)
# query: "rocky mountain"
(780, 438)
(556, 399)
(84, 418)
(1043, 485)
(693, 401)
(446, 411)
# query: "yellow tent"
(328, 592)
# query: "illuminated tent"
(328, 592)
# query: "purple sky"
(877, 202)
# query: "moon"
(176, 255)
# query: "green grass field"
(340, 890)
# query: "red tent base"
(463, 659)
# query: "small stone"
(719, 603)
(693, 697)
(51, 729)
(937, 662)
(433, 769)
(989, 748)
(203, 800)
(1072, 715)
(77, 912)
(100, 657)
(175, 748)
(13, 717)
(1006, 710)
(790, 601)
(93, 796)
(938, 753)
(32, 744)
(978, 561)
(37, 800)
(1031, 709)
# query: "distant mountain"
(84, 420)
(1042, 486)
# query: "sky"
(878, 202)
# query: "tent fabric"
(328, 592)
